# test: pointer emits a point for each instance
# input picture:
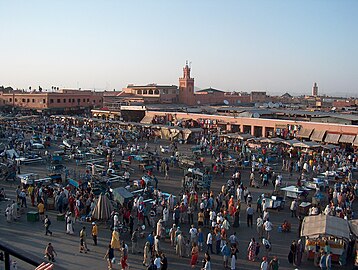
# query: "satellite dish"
(270, 104)
(198, 102)
(257, 105)
(226, 102)
(280, 104)
(265, 105)
(276, 105)
(239, 101)
(333, 109)
(256, 115)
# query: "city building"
(57, 101)
(315, 90)
(184, 94)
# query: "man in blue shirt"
(225, 250)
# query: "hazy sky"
(276, 46)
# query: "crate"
(33, 216)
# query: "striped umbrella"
(103, 209)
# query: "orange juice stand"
(353, 224)
(321, 228)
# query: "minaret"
(186, 87)
(315, 90)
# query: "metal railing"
(7, 251)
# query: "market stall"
(321, 229)
(122, 195)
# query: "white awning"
(345, 138)
(321, 225)
(318, 135)
(305, 133)
(332, 138)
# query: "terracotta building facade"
(64, 99)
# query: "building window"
(23, 100)
(156, 91)
(64, 100)
(28, 100)
(78, 101)
(15, 99)
(44, 100)
(165, 91)
(33, 100)
(87, 99)
(93, 101)
(145, 92)
(73, 100)
(10, 99)
(139, 92)
(150, 92)
(58, 100)
(51, 100)
(84, 100)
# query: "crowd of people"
(198, 223)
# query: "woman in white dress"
(8, 213)
(69, 227)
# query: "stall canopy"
(353, 224)
(315, 226)
(291, 142)
(329, 146)
(332, 138)
(317, 135)
(103, 209)
(245, 136)
(306, 144)
(355, 143)
(305, 133)
(122, 195)
(345, 138)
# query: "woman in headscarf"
(251, 250)
(146, 254)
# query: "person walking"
(83, 244)
(233, 256)
(259, 226)
(124, 258)
(293, 208)
(41, 210)
(194, 255)
(323, 261)
(146, 254)
(251, 250)
(264, 264)
(164, 262)
(209, 242)
(268, 228)
(225, 251)
(134, 240)
(250, 215)
(47, 223)
(109, 256)
(50, 252)
(94, 233)
(274, 263)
